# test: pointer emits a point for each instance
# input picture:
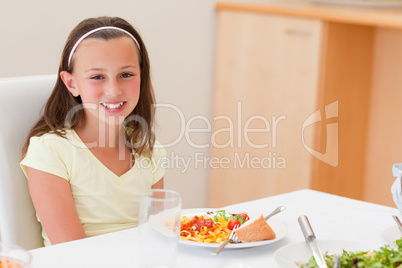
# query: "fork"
(232, 239)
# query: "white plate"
(287, 255)
(367, 3)
(279, 228)
(391, 234)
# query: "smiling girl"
(93, 151)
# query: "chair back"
(21, 102)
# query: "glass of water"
(14, 257)
(159, 228)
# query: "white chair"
(21, 102)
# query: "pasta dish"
(205, 229)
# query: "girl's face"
(107, 78)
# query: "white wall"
(180, 37)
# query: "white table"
(332, 217)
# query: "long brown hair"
(139, 132)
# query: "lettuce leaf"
(385, 257)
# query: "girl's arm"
(53, 201)
(158, 185)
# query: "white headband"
(97, 30)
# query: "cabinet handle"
(298, 32)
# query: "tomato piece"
(203, 222)
(233, 223)
(244, 216)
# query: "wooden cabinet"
(266, 83)
(305, 97)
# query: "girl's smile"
(113, 107)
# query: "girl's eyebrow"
(94, 69)
(122, 68)
(129, 66)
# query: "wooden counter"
(390, 17)
(346, 61)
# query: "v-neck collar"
(116, 178)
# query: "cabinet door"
(265, 88)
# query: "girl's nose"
(113, 88)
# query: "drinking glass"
(159, 228)
(14, 257)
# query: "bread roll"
(255, 230)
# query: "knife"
(398, 222)
(311, 241)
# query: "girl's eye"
(126, 75)
(96, 77)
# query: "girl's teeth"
(113, 106)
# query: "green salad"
(385, 257)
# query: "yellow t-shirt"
(104, 201)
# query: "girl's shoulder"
(158, 150)
(158, 145)
(63, 138)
